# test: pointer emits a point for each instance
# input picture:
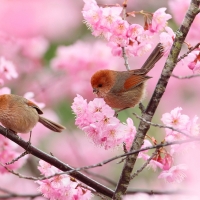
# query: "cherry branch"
(73, 171)
(164, 126)
(183, 56)
(170, 64)
(57, 163)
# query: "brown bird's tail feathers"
(153, 58)
(51, 125)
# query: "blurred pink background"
(54, 55)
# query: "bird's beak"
(95, 91)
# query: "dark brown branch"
(157, 95)
(57, 163)
(74, 172)
(110, 160)
(71, 172)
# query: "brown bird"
(124, 89)
(21, 115)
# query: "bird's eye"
(100, 85)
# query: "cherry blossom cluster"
(98, 121)
(60, 187)
(8, 152)
(108, 22)
(181, 122)
(165, 159)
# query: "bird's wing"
(134, 81)
(30, 103)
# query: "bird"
(20, 115)
(125, 89)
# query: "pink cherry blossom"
(174, 174)
(79, 105)
(192, 61)
(119, 28)
(47, 169)
(139, 49)
(134, 31)
(107, 21)
(175, 118)
(159, 20)
(110, 16)
(167, 38)
(92, 14)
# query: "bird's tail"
(153, 58)
(51, 125)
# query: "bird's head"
(102, 82)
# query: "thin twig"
(57, 163)
(186, 54)
(185, 77)
(16, 159)
(23, 176)
(157, 192)
(164, 126)
(75, 170)
(144, 165)
(123, 48)
(125, 59)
